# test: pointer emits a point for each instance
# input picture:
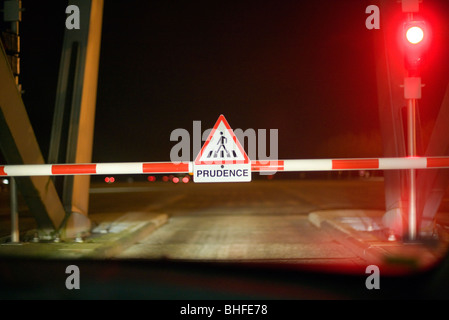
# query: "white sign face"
(222, 158)
(222, 173)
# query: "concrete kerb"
(112, 234)
(373, 244)
(140, 226)
(344, 220)
(355, 229)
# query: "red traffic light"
(416, 39)
(414, 34)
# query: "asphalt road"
(211, 226)
(259, 197)
(260, 220)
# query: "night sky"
(305, 68)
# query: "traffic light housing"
(416, 39)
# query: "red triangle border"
(221, 118)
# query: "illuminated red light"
(109, 179)
(151, 178)
(185, 179)
(165, 178)
(416, 38)
(414, 35)
(175, 179)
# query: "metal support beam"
(73, 122)
(390, 75)
(19, 146)
(432, 184)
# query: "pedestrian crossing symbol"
(222, 150)
(222, 158)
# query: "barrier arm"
(290, 165)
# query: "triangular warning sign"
(222, 146)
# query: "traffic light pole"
(411, 119)
(415, 43)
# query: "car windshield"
(218, 143)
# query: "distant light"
(165, 178)
(151, 178)
(5, 181)
(415, 35)
(109, 179)
(185, 179)
(175, 179)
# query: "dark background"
(305, 68)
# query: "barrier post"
(14, 211)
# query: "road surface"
(260, 220)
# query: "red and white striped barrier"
(94, 169)
(352, 164)
(256, 166)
